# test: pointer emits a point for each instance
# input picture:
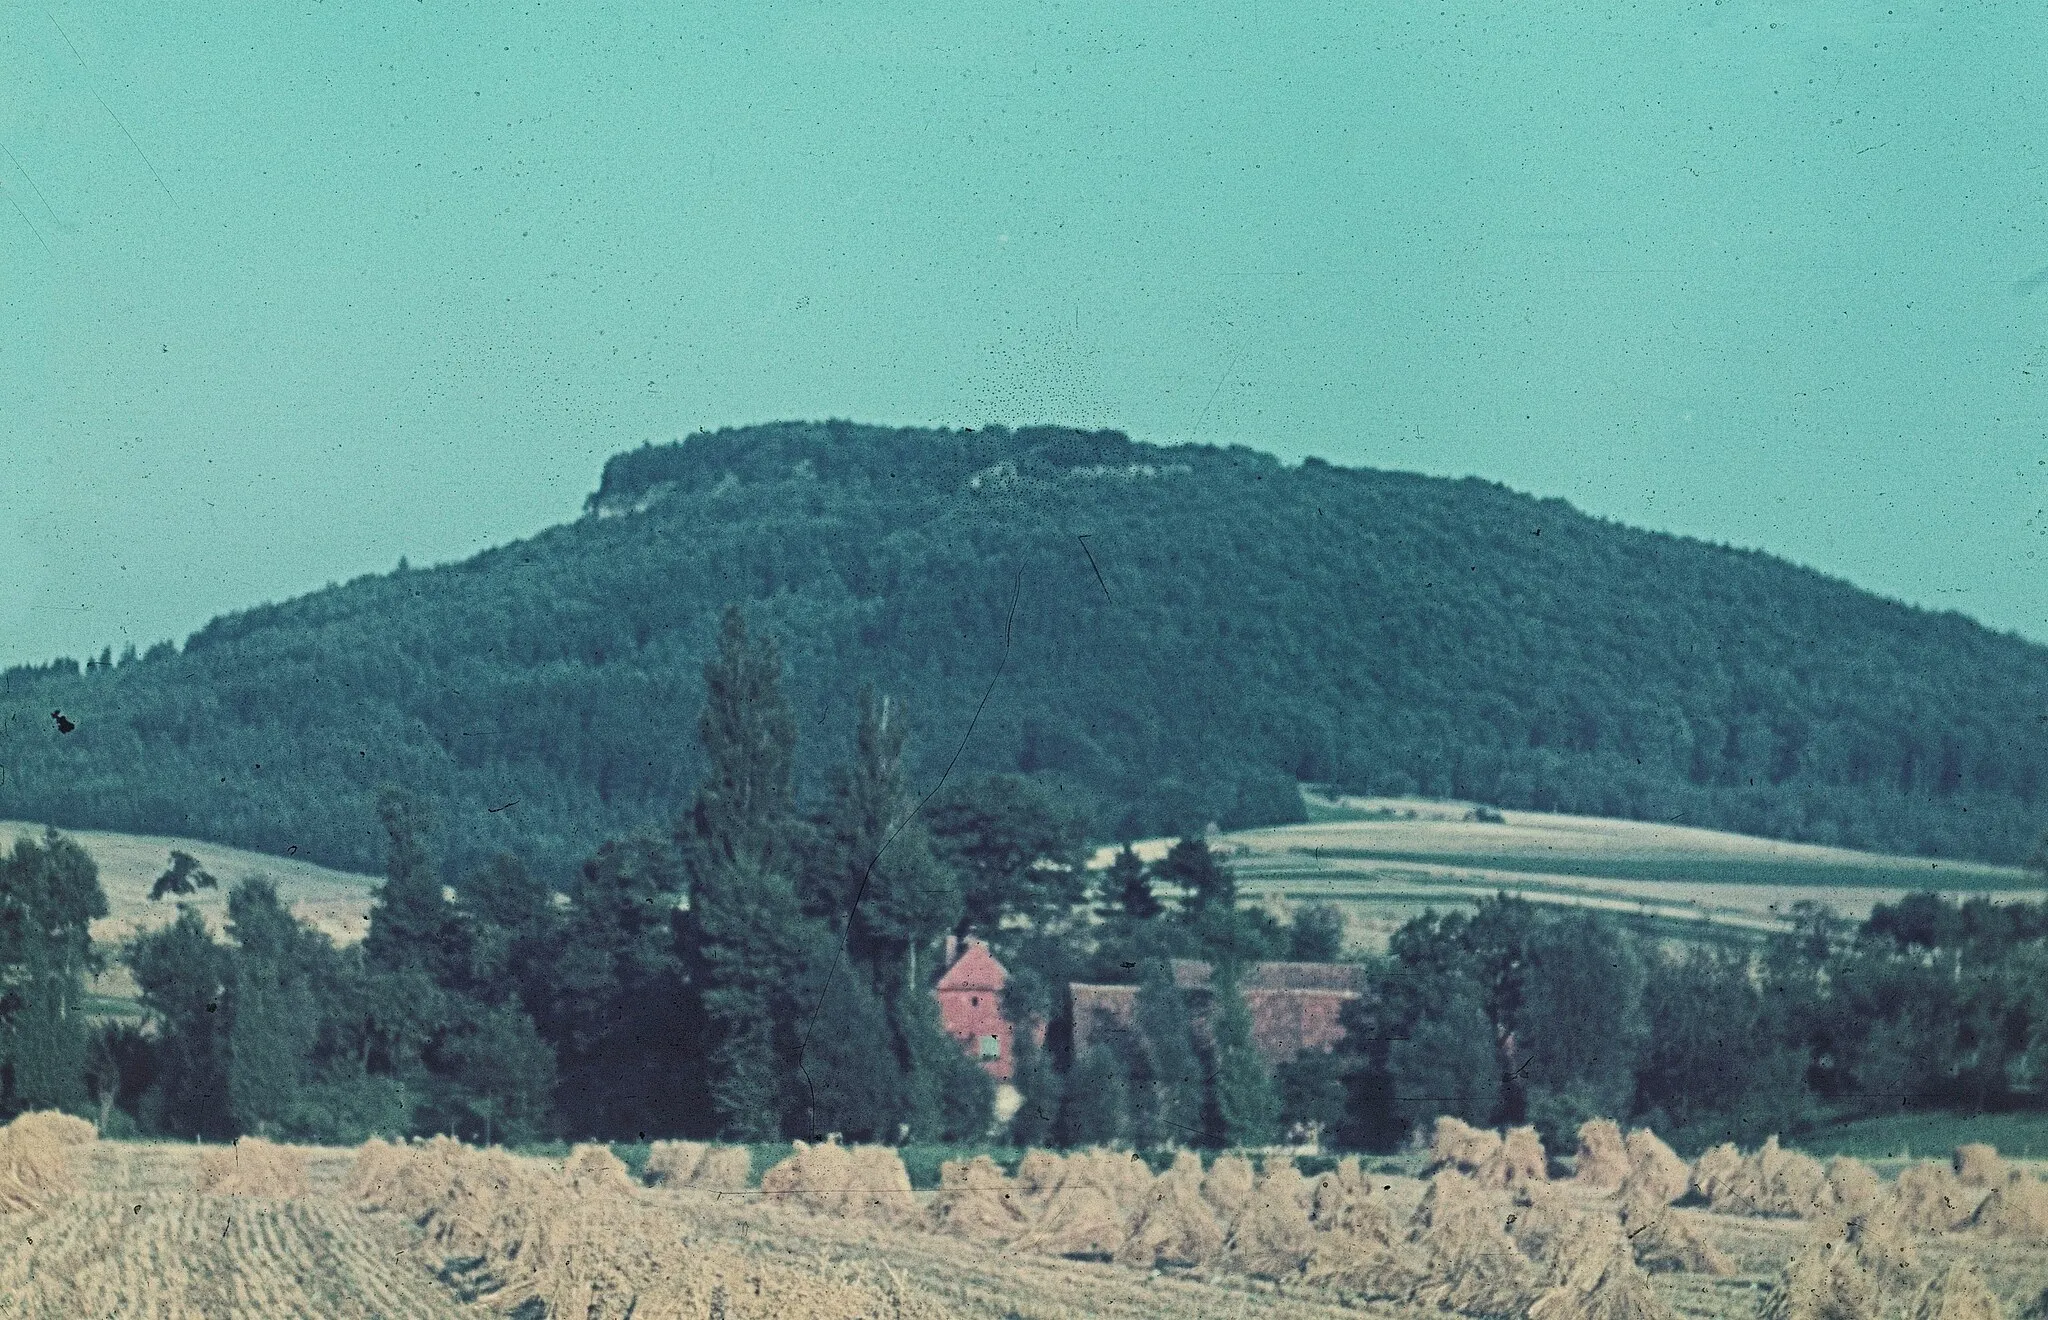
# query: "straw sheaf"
(674, 1163)
(593, 1168)
(976, 1201)
(1173, 1224)
(1823, 1281)
(1715, 1172)
(1080, 1218)
(880, 1187)
(1455, 1144)
(1228, 1187)
(1273, 1238)
(1357, 1244)
(1931, 1200)
(1958, 1293)
(1655, 1170)
(726, 1169)
(2017, 1211)
(1123, 1175)
(54, 1126)
(35, 1166)
(1775, 1181)
(1519, 1159)
(1341, 1202)
(373, 1172)
(1593, 1276)
(524, 1241)
(1602, 1160)
(1853, 1186)
(252, 1167)
(693, 1164)
(816, 1177)
(1876, 1241)
(1541, 1218)
(1470, 1263)
(1978, 1164)
(1667, 1240)
(1038, 1173)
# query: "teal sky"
(288, 291)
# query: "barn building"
(1294, 1006)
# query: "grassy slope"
(336, 902)
(1386, 859)
(1930, 1136)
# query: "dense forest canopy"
(1169, 636)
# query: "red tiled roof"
(1293, 1006)
(977, 969)
(1189, 974)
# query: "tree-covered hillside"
(1175, 635)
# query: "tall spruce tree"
(1027, 1003)
(1129, 887)
(1204, 882)
(1247, 1104)
(1169, 1067)
(744, 804)
(746, 937)
(407, 953)
(872, 873)
(623, 1010)
(1096, 1109)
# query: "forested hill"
(1178, 635)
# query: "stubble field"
(441, 1231)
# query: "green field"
(1929, 1136)
(1385, 860)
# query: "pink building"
(970, 998)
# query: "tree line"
(762, 969)
(1183, 635)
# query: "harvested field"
(437, 1230)
(1384, 860)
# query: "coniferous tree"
(1095, 1110)
(846, 1078)
(273, 1021)
(752, 944)
(749, 944)
(744, 804)
(1130, 887)
(948, 1095)
(408, 954)
(1247, 1105)
(1027, 1004)
(622, 1009)
(1204, 882)
(873, 874)
(1170, 1069)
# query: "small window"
(991, 1048)
(974, 1000)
